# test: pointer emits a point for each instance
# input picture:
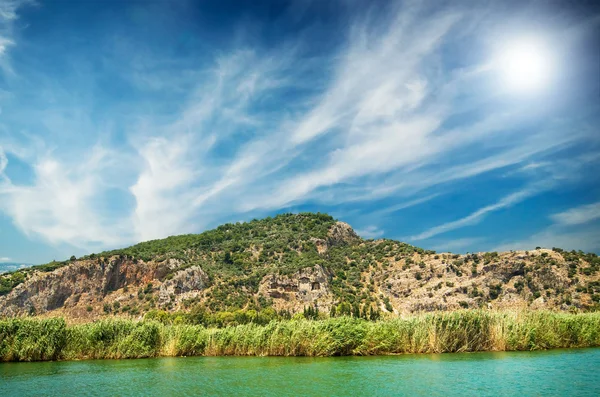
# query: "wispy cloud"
(403, 205)
(476, 216)
(162, 187)
(370, 232)
(548, 176)
(456, 244)
(374, 108)
(184, 175)
(64, 204)
(585, 239)
(575, 228)
(4, 259)
(384, 114)
(3, 162)
(578, 215)
(8, 16)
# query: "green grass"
(31, 339)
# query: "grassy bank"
(30, 339)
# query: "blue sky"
(124, 122)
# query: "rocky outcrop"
(510, 280)
(308, 286)
(341, 233)
(84, 282)
(185, 284)
(505, 271)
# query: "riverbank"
(32, 339)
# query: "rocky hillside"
(289, 263)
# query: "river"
(548, 373)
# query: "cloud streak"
(578, 215)
(8, 16)
(476, 216)
(585, 238)
(370, 232)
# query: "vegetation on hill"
(237, 256)
(224, 249)
(365, 277)
(282, 233)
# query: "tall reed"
(30, 339)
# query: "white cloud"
(576, 228)
(557, 173)
(4, 259)
(64, 202)
(456, 244)
(375, 104)
(371, 231)
(8, 8)
(180, 174)
(578, 215)
(3, 161)
(587, 240)
(4, 44)
(168, 169)
(162, 188)
(8, 15)
(404, 205)
(476, 216)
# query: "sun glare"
(525, 66)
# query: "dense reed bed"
(31, 339)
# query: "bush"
(32, 339)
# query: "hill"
(291, 263)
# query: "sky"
(455, 126)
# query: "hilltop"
(291, 263)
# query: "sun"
(525, 66)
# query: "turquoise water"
(551, 373)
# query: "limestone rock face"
(308, 286)
(341, 233)
(511, 280)
(185, 284)
(82, 283)
(505, 271)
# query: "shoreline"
(548, 350)
(51, 339)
